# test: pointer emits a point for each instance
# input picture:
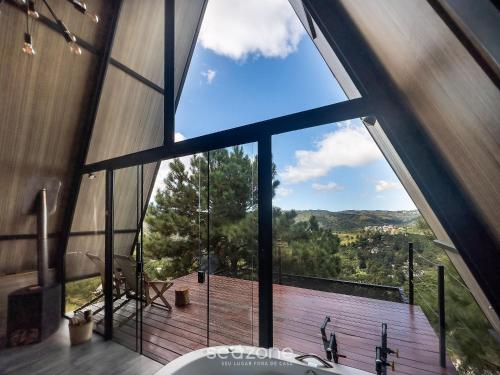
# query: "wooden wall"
(43, 105)
(44, 101)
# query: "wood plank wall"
(44, 101)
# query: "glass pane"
(175, 239)
(252, 61)
(342, 222)
(233, 244)
(126, 280)
(85, 254)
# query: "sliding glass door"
(233, 243)
(184, 240)
(126, 256)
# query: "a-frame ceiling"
(441, 98)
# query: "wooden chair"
(118, 282)
(152, 289)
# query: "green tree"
(172, 232)
(219, 189)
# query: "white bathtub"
(248, 360)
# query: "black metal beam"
(169, 70)
(177, 98)
(85, 142)
(24, 236)
(442, 316)
(29, 236)
(441, 189)
(411, 285)
(108, 258)
(265, 197)
(132, 73)
(191, 51)
(241, 135)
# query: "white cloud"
(179, 137)
(239, 28)
(382, 185)
(209, 75)
(283, 191)
(165, 167)
(328, 186)
(350, 146)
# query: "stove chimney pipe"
(42, 238)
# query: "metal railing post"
(410, 273)
(442, 327)
(280, 270)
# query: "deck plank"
(298, 314)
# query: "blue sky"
(253, 62)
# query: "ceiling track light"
(66, 33)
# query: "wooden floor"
(298, 314)
(56, 357)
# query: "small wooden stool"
(181, 296)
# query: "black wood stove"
(34, 312)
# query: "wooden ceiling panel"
(130, 118)
(139, 43)
(125, 198)
(90, 216)
(43, 105)
(122, 243)
(89, 212)
(77, 262)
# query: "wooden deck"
(298, 314)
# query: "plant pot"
(78, 334)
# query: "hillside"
(354, 219)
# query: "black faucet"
(330, 345)
(381, 353)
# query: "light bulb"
(94, 17)
(75, 48)
(81, 6)
(28, 46)
(33, 13)
(28, 49)
(31, 9)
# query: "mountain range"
(357, 219)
